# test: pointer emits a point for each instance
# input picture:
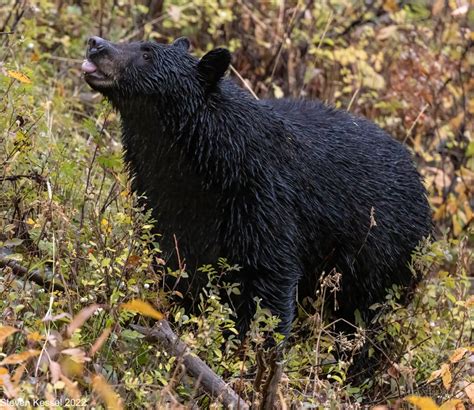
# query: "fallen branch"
(19, 270)
(209, 381)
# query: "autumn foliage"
(68, 218)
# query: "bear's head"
(130, 71)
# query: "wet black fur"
(283, 188)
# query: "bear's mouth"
(95, 77)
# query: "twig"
(153, 21)
(354, 96)
(257, 20)
(243, 81)
(270, 391)
(19, 270)
(328, 24)
(282, 42)
(415, 122)
(261, 367)
(295, 19)
(209, 381)
(360, 21)
(33, 176)
(66, 59)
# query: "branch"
(209, 381)
(270, 390)
(33, 176)
(19, 270)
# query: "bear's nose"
(96, 44)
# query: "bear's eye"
(146, 56)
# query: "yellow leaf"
(458, 355)
(470, 104)
(77, 354)
(102, 388)
(6, 331)
(80, 318)
(105, 225)
(100, 341)
(3, 374)
(386, 32)
(34, 337)
(8, 388)
(59, 385)
(456, 121)
(434, 375)
(22, 78)
(438, 7)
(18, 374)
(457, 228)
(423, 403)
(277, 91)
(54, 371)
(390, 5)
(160, 261)
(20, 357)
(469, 389)
(454, 404)
(71, 388)
(446, 376)
(470, 301)
(142, 307)
(71, 367)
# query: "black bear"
(286, 189)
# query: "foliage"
(66, 207)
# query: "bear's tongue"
(88, 67)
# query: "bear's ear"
(182, 43)
(213, 65)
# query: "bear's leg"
(276, 293)
(356, 296)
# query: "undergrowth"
(66, 209)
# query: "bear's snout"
(96, 45)
(100, 65)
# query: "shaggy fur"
(283, 188)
